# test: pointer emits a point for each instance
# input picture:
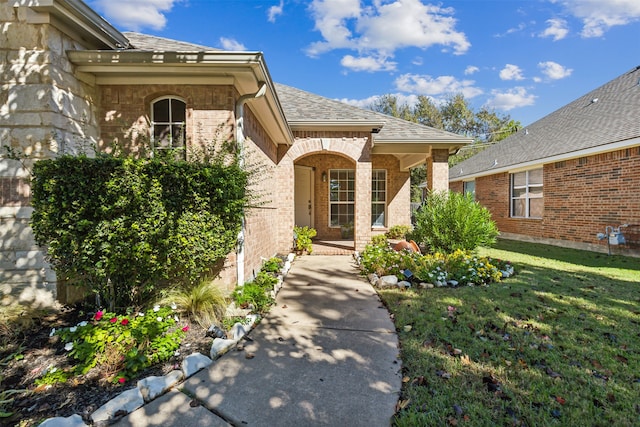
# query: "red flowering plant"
(118, 346)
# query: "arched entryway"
(325, 199)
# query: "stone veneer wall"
(45, 110)
(581, 197)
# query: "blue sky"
(526, 58)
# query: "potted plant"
(346, 230)
(302, 239)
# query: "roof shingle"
(606, 115)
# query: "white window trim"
(340, 202)
(527, 197)
(170, 123)
(386, 186)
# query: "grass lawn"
(558, 344)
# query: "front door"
(303, 196)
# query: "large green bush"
(450, 221)
(125, 227)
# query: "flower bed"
(454, 269)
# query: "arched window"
(168, 117)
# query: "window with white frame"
(526, 194)
(341, 197)
(470, 188)
(168, 117)
(378, 197)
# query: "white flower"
(141, 314)
(83, 323)
(159, 319)
(176, 318)
(52, 370)
(173, 306)
(68, 346)
(53, 332)
(156, 308)
(73, 329)
(177, 353)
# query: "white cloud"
(511, 72)
(383, 27)
(275, 11)
(471, 69)
(442, 85)
(231, 44)
(554, 71)
(521, 26)
(557, 29)
(367, 63)
(599, 15)
(135, 15)
(512, 98)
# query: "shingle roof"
(606, 115)
(147, 42)
(301, 106)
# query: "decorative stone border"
(152, 387)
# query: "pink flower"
(124, 322)
(113, 320)
(121, 380)
(185, 329)
(98, 315)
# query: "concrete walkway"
(325, 355)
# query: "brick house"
(569, 176)
(73, 83)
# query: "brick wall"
(581, 197)
(125, 114)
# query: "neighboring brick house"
(568, 176)
(72, 83)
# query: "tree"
(455, 115)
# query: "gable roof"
(146, 42)
(605, 119)
(305, 109)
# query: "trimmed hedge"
(125, 227)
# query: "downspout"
(262, 89)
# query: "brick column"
(362, 226)
(438, 170)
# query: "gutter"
(240, 138)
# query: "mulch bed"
(80, 395)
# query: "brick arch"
(303, 148)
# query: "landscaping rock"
(235, 311)
(237, 331)
(453, 283)
(72, 421)
(373, 279)
(291, 257)
(124, 403)
(424, 285)
(194, 362)
(221, 346)
(387, 282)
(152, 387)
(251, 320)
(404, 284)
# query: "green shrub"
(379, 240)
(204, 303)
(136, 225)
(398, 231)
(272, 265)
(303, 236)
(447, 222)
(253, 295)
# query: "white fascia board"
(620, 145)
(356, 125)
